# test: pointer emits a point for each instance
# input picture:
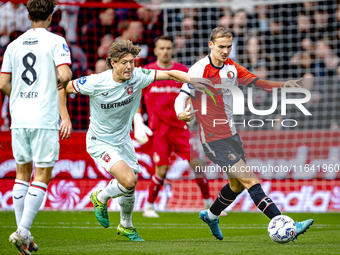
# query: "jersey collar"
(220, 68)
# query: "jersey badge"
(65, 47)
(232, 156)
(106, 157)
(230, 74)
(129, 90)
(82, 80)
(146, 71)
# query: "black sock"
(263, 202)
(224, 199)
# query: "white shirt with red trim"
(220, 106)
(113, 105)
(32, 59)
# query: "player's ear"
(211, 44)
(112, 64)
(49, 18)
(29, 17)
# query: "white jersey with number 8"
(32, 59)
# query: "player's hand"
(60, 86)
(292, 84)
(141, 131)
(187, 115)
(202, 84)
(65, 128)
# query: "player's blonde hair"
(119, 50)
(220, 32)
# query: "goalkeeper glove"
(140, 129)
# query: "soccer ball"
(282, 229)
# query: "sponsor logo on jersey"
(116, 105)
(30, 42)
(106, 157)
(129, 90)
(146, 71)
(65, 47)
(230, 74)
(29, 94)
(65, 54)
(82, 80)
(105, 94)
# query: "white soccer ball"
(282, 229)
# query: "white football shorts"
(107, 155)
(39, 145)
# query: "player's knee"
(249, 182)
(236, 187)
(130, 182)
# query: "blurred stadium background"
(274, 41)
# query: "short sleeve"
(62, 54)
(147, 76)
(85, 85)
(6, 63)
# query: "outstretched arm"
(65, 125)
(269, 85)
(183, 77)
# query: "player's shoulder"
(202, 63)
(230, 62)
(152, 65)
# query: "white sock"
(211, 215)
(112, 190)
(148, 206)
(126, 208)
(19, 193)
(33, 201)
(207, 202)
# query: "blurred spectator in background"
(95, 31)
(105, 44)
(327, 61)
(187, 43)
(69, 18)
(261, 17)
(135, 33)
(153, 27)
(100, 66)
(227, 20)
(254, 54)
(78, 56)
(278, 44)
(13, 17)
(322, 24)
(240, 32)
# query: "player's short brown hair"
(164, 37)
(220, 32)
(39, 10)
(119, 50)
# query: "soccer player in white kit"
(31, 62)
(114, 98)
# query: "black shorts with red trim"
(225, 152)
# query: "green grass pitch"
(173, 233)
